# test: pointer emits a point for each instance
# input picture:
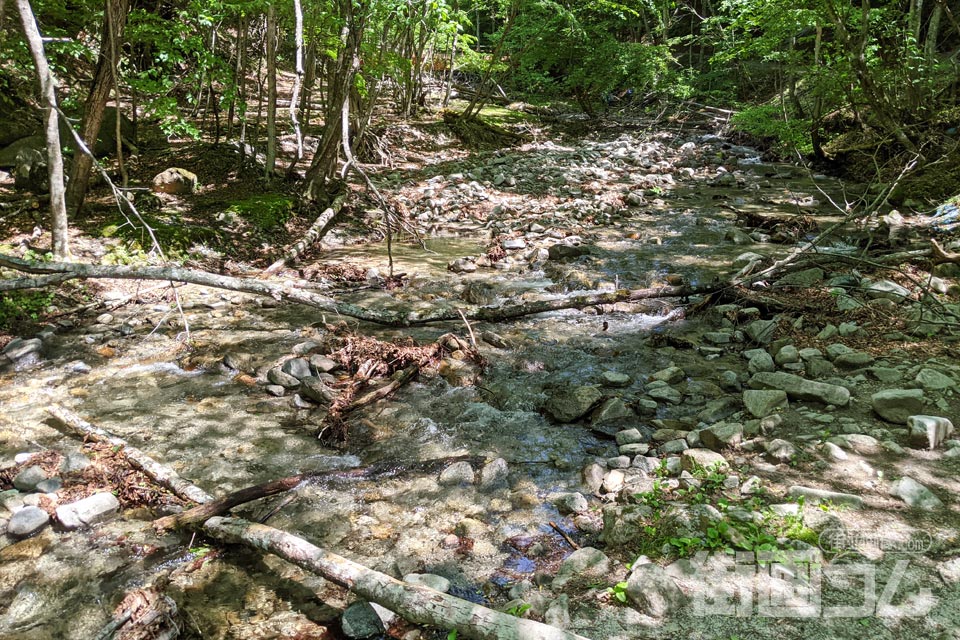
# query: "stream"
(637, 210)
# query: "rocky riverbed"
(754, 469)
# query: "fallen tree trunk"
(415, 603)
(162, 475)
(393, 318)
(314, 234)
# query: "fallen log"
(161, 474)
(415, 603)
(386, 317)
(222, 505)
(314, 234)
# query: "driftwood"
(162, 475)
(314, 234)
(415, 603)
(940, 255)
(393, 318)
(143, 614)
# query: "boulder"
(587, 564)
(928, 431)
(567, 405)
(458, 473)
(896, 405)
(691, 459)
(722, 436)
(814, 496)
(611, 410)
(653, 592)
(933, 380)
(360, 621)
(316, 389)
(87, 511)
(27, 521)
(761, 331)
(798, 388)
(8, 155)
(761, 403)
(28, 479)
(915, 494)
(887, 289)
(175, 181)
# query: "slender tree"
(58, 208)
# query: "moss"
(174, 235)
(266, 212)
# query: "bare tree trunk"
(298, 80)
(295, 294)
(271, 91)
(58, 207)
(114, 22)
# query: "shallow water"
(222, 434)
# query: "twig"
(473, 338)
(563, 534)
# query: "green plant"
(21, 308)
(452, 635)
(685, 546)
(518, 610)
(619, 592)
(655, 498)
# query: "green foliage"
(769, 122)
(619, 592)
(23, 308)
(518, 610)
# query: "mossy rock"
(266, 212)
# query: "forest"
(495, 319)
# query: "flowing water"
(197, 416)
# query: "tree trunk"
(341, 78)
(297, 81)
(114, 22)
(58, 208)
(387, 317)
(271, 91)
(415, 603)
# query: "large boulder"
(8, 155)
(798, 388)
(896, 405)
(175, 181)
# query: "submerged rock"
(567, 405)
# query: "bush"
(769, 123)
